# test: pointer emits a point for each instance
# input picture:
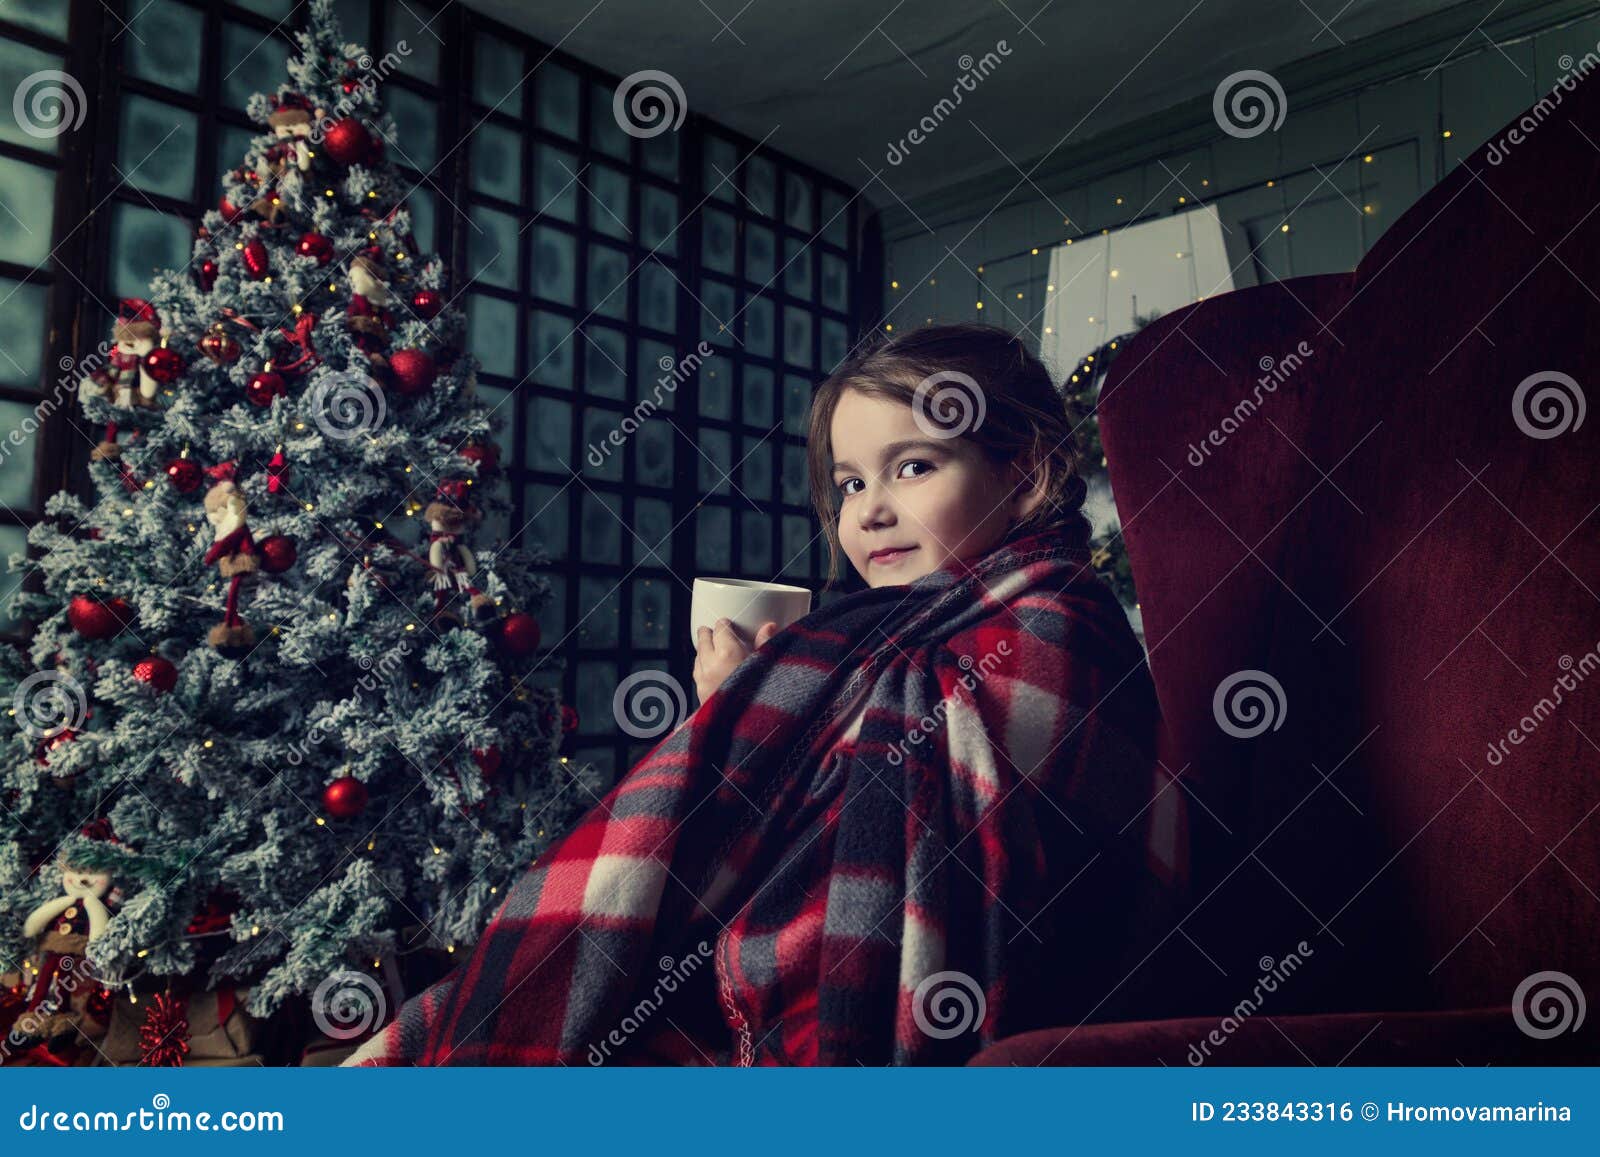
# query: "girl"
(909, 824)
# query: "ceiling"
(835, 82)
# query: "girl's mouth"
(889, 557)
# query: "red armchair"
(1398, 522)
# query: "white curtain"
(1099, 282)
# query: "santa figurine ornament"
(125, 380)
(291, 119)
(449, 556)
(368, 315)
(234, 552)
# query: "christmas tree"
(273, 724)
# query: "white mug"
(747, 603)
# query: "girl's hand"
(718, 651)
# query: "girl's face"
(925, 500)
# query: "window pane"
(600, 603)
(549, 435)
(608, 273)
(608, 208)
(492, 248)
(797, 336)
(652, 523)
(605, 361)
(13, 540)
(714, 462)
(555, 99)
(755, 547)
(22, 330)
(716, 300)
(797, 194)
(491, 329)
(255, 63)
(162, 44)
(835, 282)
(658, 297)
(497, 162)
(658, 220)
(143, 241)
(758, 326)
(794, 476)
(598, 427)
(556, 188)
(716, 388)
(797, 267)
(553, 614)
(761, 185)
(550, 350)
(713, 540)
(416, 126)
(46, 118)
(796, 546)
(796, 404)
(659, 154)
(597, 683)
(757, 394)
(835, 343)
(555, 265)
(652, 605)
(544, 511)
(355, 18)
(497, 75)
(755, 472)
(716, 241)
(652, 462)
(835, 218)
(720, 158)
(406, 22)
(760, 255)
(600, 535)
(47, 16)
(423, 209)
(657, 374)
(605, 133)
(16, 480)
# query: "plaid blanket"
(968, 868)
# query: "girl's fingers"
(768, 629)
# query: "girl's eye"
(844, 487)
(914, 462)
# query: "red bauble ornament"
(219, 346)
(263, 387)
(569, 719)
(185, 474)
(208, 274)
(488, 761)
(315, 245)
(519, 634)
(256, 261)
(412, 370)
(348, 142)
(163, 364)
(230, 212)
(345, 798)
(278, 553)
(157, 672)
(94, 619)
(485, 455)
(426, 304)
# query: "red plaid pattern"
(964, 869)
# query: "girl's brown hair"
(1024, 416)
